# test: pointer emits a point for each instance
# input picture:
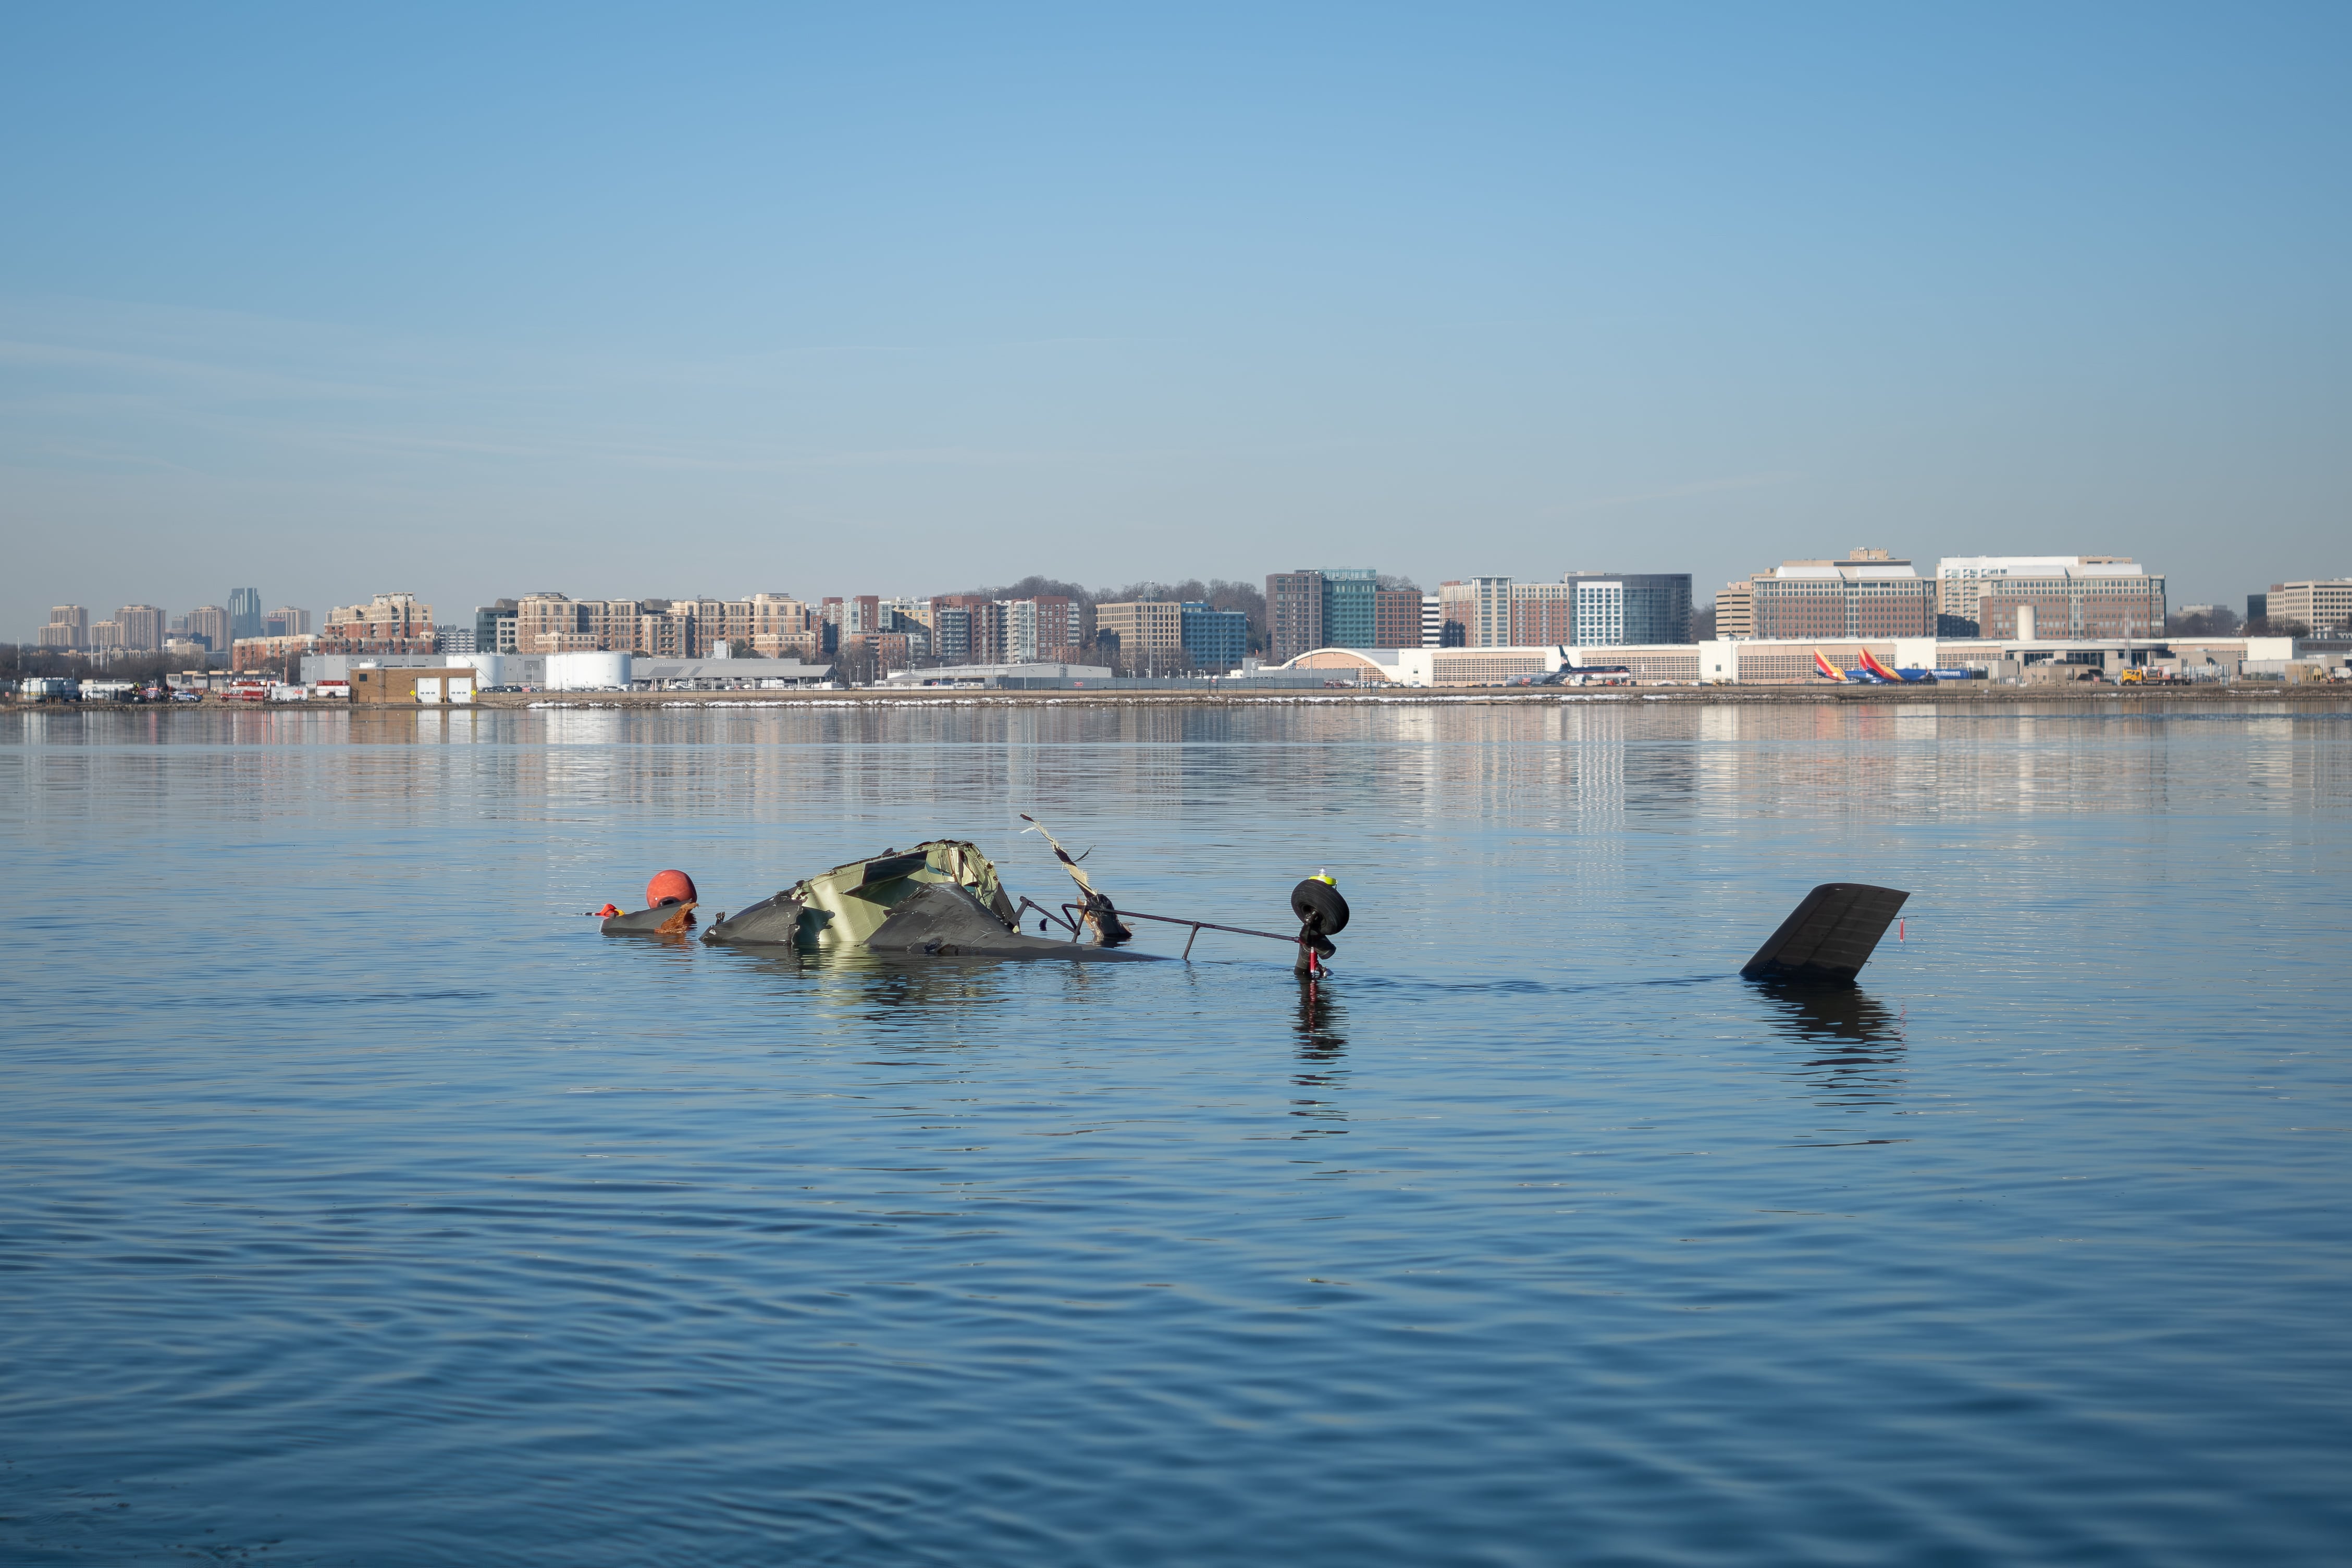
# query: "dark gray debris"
(1830, 936)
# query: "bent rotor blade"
(1059, 853)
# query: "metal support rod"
(1027, 905)
(1205, 925)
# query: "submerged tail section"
(1830, 936)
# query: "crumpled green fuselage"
(844, 906)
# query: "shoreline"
(1948, 695)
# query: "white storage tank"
(587, 672)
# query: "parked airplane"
(1830, 672)
(1871, 671)
(1870, 663)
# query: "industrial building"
(376, 685)
(1790, 662)
(591, 670)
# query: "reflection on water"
(388, 1213)
(1322, 1050)
(1851, 1043)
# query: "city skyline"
(1133, 295)
(1942, 574)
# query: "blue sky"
(906, 300)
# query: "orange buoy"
(671, 886)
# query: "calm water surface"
(359, 1204)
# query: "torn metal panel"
(943, 920)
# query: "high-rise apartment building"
(1868, 594)
(286, 621)
(209, 625)
(144, 626)
(1735, 611)
(388, 623)
(774, 625)
(244, 612)
(2323, 604)
(1351, 607)
(1457, 609)
(68, 627)
(1294, 615)
(1064, 628)
(952, 633)
(1337, 607)
(553, 623)
(1020, 631)
(1490, 612)
(1541, 614)
(1397, 617)
(977, 635)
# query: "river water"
(359, 1204)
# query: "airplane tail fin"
(1829, 936)
(1828, 671)
(1870, 662)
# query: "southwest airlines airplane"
(1872, 673)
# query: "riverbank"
(1945, 695)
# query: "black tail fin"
(1830, 936)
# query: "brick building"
(1293, 613)
(388, 623)
(268, 652)
(1868, 594)
(2106, 599)
(1540, 614)
(1397, 617)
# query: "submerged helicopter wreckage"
(944, 899)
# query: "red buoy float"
(669, 887)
